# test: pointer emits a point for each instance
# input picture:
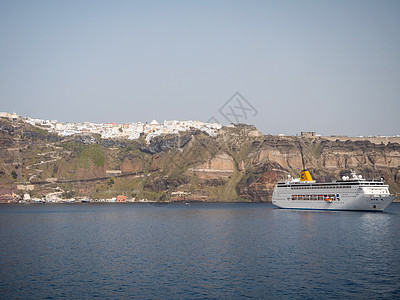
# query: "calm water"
(199, 251)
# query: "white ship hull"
(361, 203)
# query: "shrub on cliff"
(91, 155)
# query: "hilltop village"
(130, 131)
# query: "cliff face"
(327, 160)
(221, 165)
(238, 164)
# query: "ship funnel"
(306, 176)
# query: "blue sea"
(201, 251)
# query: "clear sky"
(327, 66)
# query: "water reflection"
(375, 223)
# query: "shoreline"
(140, 202)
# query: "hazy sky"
(327, 66)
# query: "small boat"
(85, 200)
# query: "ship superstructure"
(350, 193)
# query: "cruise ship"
(351, 193)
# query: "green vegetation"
(153, 196)
(68, 194)
(101, 194)
(91, 155)
(40, 131)
(127, 184)
(163, 197)
(72, 146)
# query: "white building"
(131, 131)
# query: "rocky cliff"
(239, 164)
